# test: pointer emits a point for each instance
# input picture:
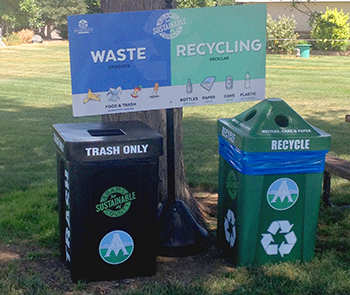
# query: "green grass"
(35, 94)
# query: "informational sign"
(137, 61)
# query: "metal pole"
(180, 233)
(168, 4)
(170, 142)
(171, 154)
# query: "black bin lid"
(86, 142)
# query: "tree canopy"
(34, 14)
(19, 14)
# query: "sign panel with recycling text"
(136, 61)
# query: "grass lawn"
(35, 94)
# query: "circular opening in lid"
(250, 115)
(282, 121)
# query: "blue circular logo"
(282, 194)
(116, 247)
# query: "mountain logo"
(116, 247)
(282, 194)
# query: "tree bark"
(48, 31)
(157, 119)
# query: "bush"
(332, 30)
(26, 35)
(280, 34)
(12, 39)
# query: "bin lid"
(272, 126)
(107, 141)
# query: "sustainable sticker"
(282, 194)
(115, 201)
(169, 25)
(116, 247)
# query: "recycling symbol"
(280, 227)
(230, 227)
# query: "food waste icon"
(91, 96)
(155, 91)
(136, 90)
(114, 93)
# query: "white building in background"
(278, 8)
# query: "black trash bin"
(108, 191)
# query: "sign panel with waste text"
(147, 60)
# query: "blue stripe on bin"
(264, 163)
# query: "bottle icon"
(247, 83)
(189, 88)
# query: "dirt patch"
(35, 260)
(6, 256)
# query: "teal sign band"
(137, 61)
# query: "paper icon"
(208, 82)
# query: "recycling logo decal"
(230, 228)
(285, 247)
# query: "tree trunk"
(157, 119)
(48, 31)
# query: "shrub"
(280, 34)
(12, 39)
(26, 35)
(332, 30)
(194, 3)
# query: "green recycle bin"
(304, 50)
(270, 178)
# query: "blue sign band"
(265, 163)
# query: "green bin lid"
(272, 126)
